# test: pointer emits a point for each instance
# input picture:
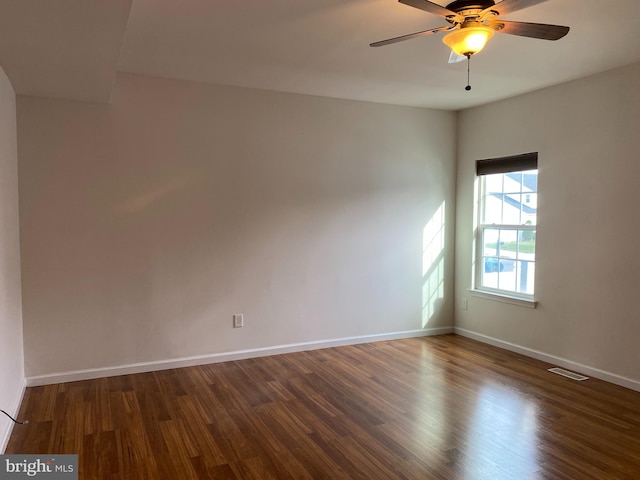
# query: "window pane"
(508, 243)
(493, 208)
(529, 208)
(490, 242)
(490, 272)
(507, 275)
(527, 245)
(530, 181)
(525, 277)
(493, 183)
(513, 182)
(512, 209)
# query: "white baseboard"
(14, 413)
(561, 362)
(76, 375)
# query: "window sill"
(521, 302)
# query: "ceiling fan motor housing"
(460, 5)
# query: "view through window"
(507, 228)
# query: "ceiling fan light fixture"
(468, 39)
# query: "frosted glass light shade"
(468, 40)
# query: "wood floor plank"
(430, 408)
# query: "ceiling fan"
(473, 23)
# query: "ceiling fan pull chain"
(468, 87)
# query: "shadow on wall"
(433, 265)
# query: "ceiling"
(72, 49)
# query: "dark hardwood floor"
(424, 408)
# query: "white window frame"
(513, 164)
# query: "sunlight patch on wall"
(433, 264)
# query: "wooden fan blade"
(410, 36)
(532, 30)
(430, 7)
(508, 6)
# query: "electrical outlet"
(464, 304)
(238, 320)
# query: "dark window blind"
(513, 163)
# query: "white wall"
(586, 133)
(11, 354)
(147, 223)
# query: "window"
(506, 233)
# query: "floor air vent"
(568, 374)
